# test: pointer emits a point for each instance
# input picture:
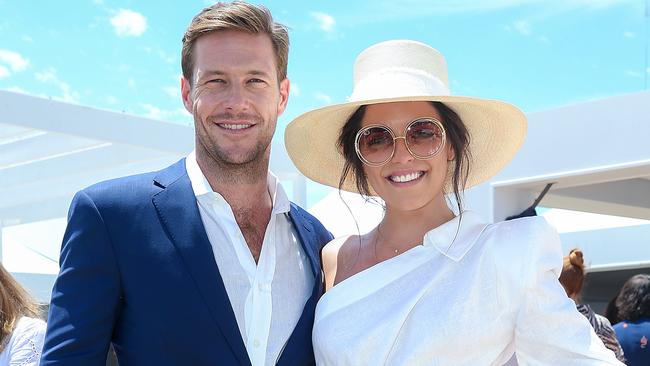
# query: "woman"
(21, 332)
(428, 286)
(633, 331)
(572, 278)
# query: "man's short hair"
(241, 16)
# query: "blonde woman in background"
(572, 279)
(21, 331)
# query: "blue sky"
(124, 55)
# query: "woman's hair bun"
(575, 257)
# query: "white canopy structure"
(49, 150)
(597, 155)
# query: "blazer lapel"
(178, 211)
(299, 343)
(307, 238)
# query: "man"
(205, 262)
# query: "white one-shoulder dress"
(471, 294)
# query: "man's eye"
(256, 81)
(216, 81)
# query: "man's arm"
(86, 295)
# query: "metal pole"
(646, 69)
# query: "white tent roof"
(50, 149)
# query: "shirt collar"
(202, 188)
(457, 236)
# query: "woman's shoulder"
(334, 254)
(524, 247)
(534, 227)
(524, 236)
(30, 327)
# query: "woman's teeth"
(406, 178)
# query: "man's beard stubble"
(249, 169)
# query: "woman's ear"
(450, 152)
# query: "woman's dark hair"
(611, 311)
(633, 301)
(457, 136)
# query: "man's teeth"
(234, 126)
(406, 178)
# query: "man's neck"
(239, 184)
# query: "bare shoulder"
(332, 254)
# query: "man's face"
(235, 96)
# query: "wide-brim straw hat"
(398, 71)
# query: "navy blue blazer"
(137, 271)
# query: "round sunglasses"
(424, 138)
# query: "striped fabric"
(603, 329)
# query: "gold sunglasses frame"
(390, 130)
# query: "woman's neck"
(409, 227)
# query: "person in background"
(21, 331)
(572, 279)
(633, 331)
(611, 311)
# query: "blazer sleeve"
(86, 295)
(549, 329)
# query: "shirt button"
(256, 343)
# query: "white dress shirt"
(469, 295)
(268, 297)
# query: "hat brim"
(496, 129)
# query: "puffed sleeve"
(549, 329)
(28, 344)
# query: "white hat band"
(402, 82)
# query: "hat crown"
(399, 68)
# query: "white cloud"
(128, 23)
(111, 100)
(4, 72)
(46, 76)
(544, 39)
(323, 97)
(131, 83)
(633, 74)
(628, 34)
(14, 60)
(326, 22)
(27, 39)
(172, 91)
(49, 76)
(523, 27)
(295, 90)
(647, 70)
(151, 111)
(16, 89)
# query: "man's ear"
(284, 95)
(186, 94)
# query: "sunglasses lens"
(424, 137)
(375, 144)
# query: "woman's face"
(404, 182)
